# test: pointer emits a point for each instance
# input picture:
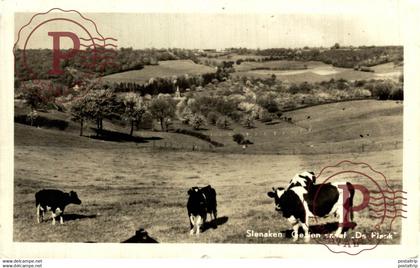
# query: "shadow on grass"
(272, 123)
(141, 236)
(108, 135)
(214, 223)
(73, 217)
(320, 229)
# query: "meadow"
(163, 69)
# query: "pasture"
(126, 186)
(163, 69)
(124, 189)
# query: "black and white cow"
(200, 202)
(297, 204)
(54, 200)
(305, 179)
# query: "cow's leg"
(214, 219)
(192, 224)
(53, 218)
(199, 222)
(305, 227)
(38, 208)
(59, 212)
(340, 223)
(211, 216)
(295, 233)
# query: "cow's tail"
(350, 187)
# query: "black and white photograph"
(274, 127)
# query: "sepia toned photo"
(275, 128)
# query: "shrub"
(146, 121)
(304, 88)
(359, 83)
(268, 102)
(265, 116)
(397, 94)
(236, 116)
(212, 117)
(199, 136)
(293, 89)
(196, 121)
(382, 90)
(223, 122)
(359, 92)
(342, 84)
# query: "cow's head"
(276, 194)
(197, 196)
(74, 198)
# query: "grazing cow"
(54, 200)
(305, 179)
(200, 202)
(297, 204)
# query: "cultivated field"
(163, 69)
(125, 186)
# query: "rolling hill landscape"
(132, 141)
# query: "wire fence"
(285, 149)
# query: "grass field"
(125, 186)
(125, 189)
(352, 126)
(163, 69)
(317, 72)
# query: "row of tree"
(98, 105)
(36, 63)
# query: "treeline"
(347, 57)
(36, 63)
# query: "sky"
(219, 30)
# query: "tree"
(249, 121)
(79, 112)
(212, 117)
(197, 120)
(162, 109)
(105, 105)
(382, 90)
(134, 109)
(98, 105)
(336, 46)
(36, 97)
(223, 122)
(268, 102)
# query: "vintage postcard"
(244, 129)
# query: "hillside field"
(125, 186)
(315, 71)
(163, 69)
